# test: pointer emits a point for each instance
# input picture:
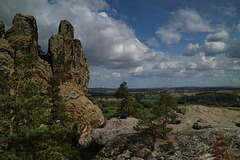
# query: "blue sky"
(147, 43)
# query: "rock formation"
(64, 61)
(6, 61)
(2, 29)
(23, 35)
(69, 63)
(118, 140)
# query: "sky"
(147, 43)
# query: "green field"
(226, 99)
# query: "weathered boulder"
(69, 63)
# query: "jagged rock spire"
(69, 63)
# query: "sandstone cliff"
(64, 61)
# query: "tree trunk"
(11, 125)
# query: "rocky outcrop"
(196, 116)
(2, 29)
(99, 138)
(6, 61)
(65, 61)
(117, 139)
(23, 35)
(85, 113)
(22, 39)
(129, 146)
(69, 63)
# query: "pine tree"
(162, 114)
(130, 107)
(165, 112)
(62, 133)
(127, 104)
(23, 110)
(122, 91)
(33, 124)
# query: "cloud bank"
(112, 47)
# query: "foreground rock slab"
(118, 141)
(99, 138)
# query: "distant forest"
(208, 96)
(215, 99)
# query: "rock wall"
(64, 61)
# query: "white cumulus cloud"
(184, 20)
(103, 14)
(214, 43)
(214, 48)
(101, 76)
(223, 35)
(190, 21)
(136, 71)
(116, 75)
(168, 36)
(153, 42)
(192, 49)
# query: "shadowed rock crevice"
(91, 151)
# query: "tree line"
(219, 99)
